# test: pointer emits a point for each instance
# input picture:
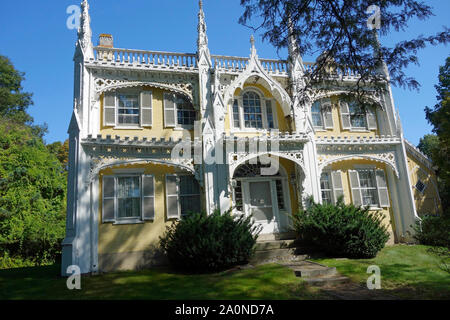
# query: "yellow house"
(156, 135)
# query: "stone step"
(273, 255)
(277, 236)
(308, 269)
(327, 280)
(275, 244)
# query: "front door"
(262, 204)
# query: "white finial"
(200, 4)
(85, 32)
(252, 42)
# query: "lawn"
(408, 272)
(269, 281)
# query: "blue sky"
(34, 35)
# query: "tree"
(61, 151)
(439, 117)
(339, 31)
(429, 144)
(32, 196)
(14, 103)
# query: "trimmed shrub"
(433, 231)
(341, 230)
(202, 243)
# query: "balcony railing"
(238, 64)
(188, 61)
(157, 59)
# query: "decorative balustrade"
(156, 59)
(188, 61)
(238, 64)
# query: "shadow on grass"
(263, 282)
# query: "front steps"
(276, 250)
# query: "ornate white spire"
(253, 48)
(202, 41)
(85, 32)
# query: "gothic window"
(420, 186)
(252, 111)
(354, 116)
(369, 188)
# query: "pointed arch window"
(251, 111)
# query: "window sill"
(183, 128)
(127, 128)
(128, 221)
(236, 130)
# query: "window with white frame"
(128, 198)
(252, 111)
(178, 111)
(253, 117)
(127, 108)
(326, 188)
(321, 114)
(357, 116)
(354, 116)
(331, 186)
(369, 187)
(182, 195)
(316, 114)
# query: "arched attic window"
(253, 111)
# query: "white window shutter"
(146, 109)
(336, 180)
(169, 110)
(327, 114)
(356, 191)
(148, 197)
(172, 199)
(109, 109)
(109, 199)
(371, 118)
(345, 115)
(383, 193)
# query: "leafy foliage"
(202, 243)
(429, 144)
(433, 231)
(439, 117)
(341, 230)
(339, 32)
(32, 180)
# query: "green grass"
(270, 281)
(408, 272)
